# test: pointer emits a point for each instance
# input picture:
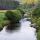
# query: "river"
(24, 33)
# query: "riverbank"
(35, 17)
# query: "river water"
(24, 33)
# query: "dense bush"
(36, 19)
(36, 12)
(14, 16)
(22, 12)
(36, 16)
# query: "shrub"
(22, 12)
(36, 19)
(36, 12)
(13, 16)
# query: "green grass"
(2, 15)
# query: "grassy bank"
(4, 21)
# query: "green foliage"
(6, 17)
(22, 12)
(36, 16)
(36, 12)
(14, 16)
(38, 35)
(36, 19)
(1, 20)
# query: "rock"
(34, 25)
